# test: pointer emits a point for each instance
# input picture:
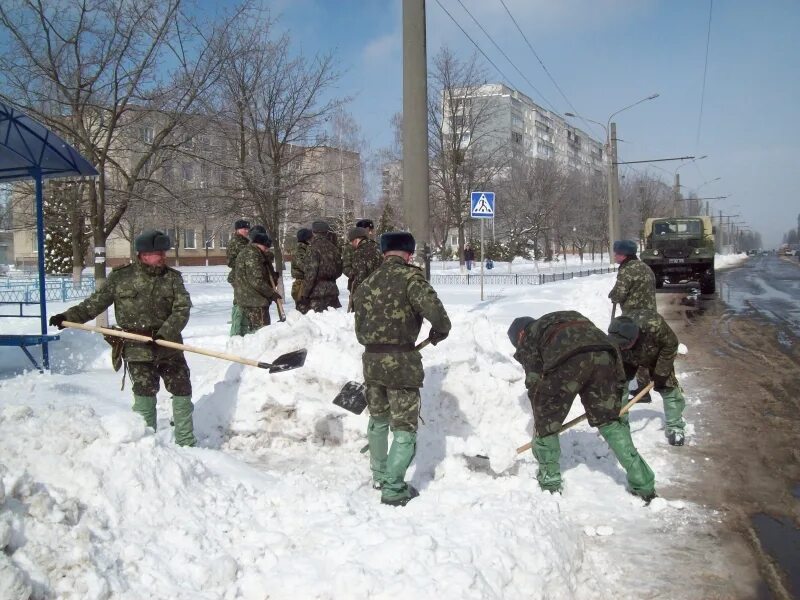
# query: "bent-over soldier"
(253, 288)
(564, 354)
(150, 299)
(647, 341)
(389, 308)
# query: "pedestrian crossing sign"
(482, 205)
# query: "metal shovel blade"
(289, 361)
(352, 397)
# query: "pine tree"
(386, 222)
(58, 233)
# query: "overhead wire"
(705, 72)
(491, 39)
(541, 62)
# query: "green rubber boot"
(395, 491)
(236, 320)
(674, 404)
(182, 409)
(146, 406)
(378, 438)
(547, 451)
(641, 479)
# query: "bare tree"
(466, 147)
(96, 74)
(273, 105)
(643, 196)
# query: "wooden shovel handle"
(583, 417)
(167, 344)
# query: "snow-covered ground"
(276, 502)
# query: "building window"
(517, 120)
(188, 239)
(172, 234)
(188, 171)
(208, 240)
(224, 238)
(146, 134)
(454, 240)
(516, 137)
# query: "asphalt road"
(767, 285)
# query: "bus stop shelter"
(30, 151)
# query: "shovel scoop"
(352, 397)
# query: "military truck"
(680, 249)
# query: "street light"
(613, 178)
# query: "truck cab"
(680, 249)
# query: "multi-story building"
(508, 118)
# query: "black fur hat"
(398, 240)
(624, 332)
(356, 233)
(303, 235)
(260, 237)
(257, 229)
(625, 247)
(365, 223)
(241, 224)
(152, 241)
(517, 325)
(320, 227)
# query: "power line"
(555, 83)
(491, 39)
(474, 43)
(705, 72)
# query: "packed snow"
(276, 502)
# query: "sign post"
(482, 207)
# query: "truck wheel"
(707, 284)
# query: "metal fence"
(515, 278)
(26, 290)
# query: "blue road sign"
(482, 205)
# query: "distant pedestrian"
(238, 241)
(564, 354)
(647, 342)
(389, 309)
(321, 268)
(489, 264)
(469, 256)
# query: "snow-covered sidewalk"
(275, 502)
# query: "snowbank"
(277, 500)
(723, 261)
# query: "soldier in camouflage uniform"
(252, 288)
(564, 354)
(321, 268)
(150, 299)
(365, 259)
(636, 284)
(298, 258)
(238, 241)
(348, 250)
(389, 308)
(635, 289)
(646, 341)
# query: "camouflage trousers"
(323, 303)
(297, 285)
(400, 405)
(254, 318)
(172, 369)
(594, 376)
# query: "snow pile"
(724, 261)
(276, 502)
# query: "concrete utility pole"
(415, 127)
(676, 196)
(613, 190)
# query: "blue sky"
(606, 54)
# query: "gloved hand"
(276, 296)
(437, 336)
(152, 343)
(660, 382)
(58, 321)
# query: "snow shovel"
(281, 311)
(353, 396)
(285, 362)
(582, 418)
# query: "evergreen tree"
(386, 222)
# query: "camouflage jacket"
(147, 300)
(635, 287)
(235, 246)
(656, 347)
(321, 268)
(298, 258)
(389, 308)
(347, 263)
(365, 259)
(252, 286)
(557, 336)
